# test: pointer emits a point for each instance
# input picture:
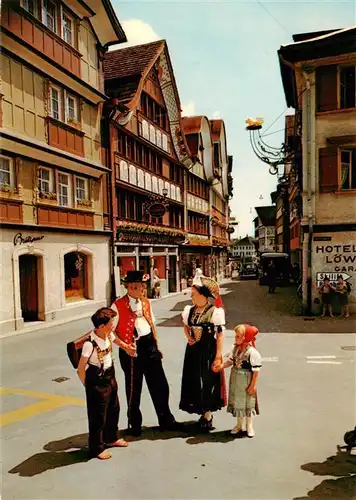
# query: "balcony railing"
(65, 137)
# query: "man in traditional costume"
(139, 354)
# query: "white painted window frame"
(44, 15)
(60, 97)
(86, 188)
(50, 178)
(11, 171)
(65, 14)
(67, 96)
(69, 185)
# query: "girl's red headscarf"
(250, 334)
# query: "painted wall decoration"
(178, 195)
(168, 187)
(140, 178)
(159, 139)
(152, 134)
(124, 171)
(145, 130)
(155, 184)
(133, 175)
(173, 192)
(160, 186)
(148, 181)
(335, 256)
(165, 142)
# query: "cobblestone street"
(247, 301)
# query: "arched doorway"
(76, 276)
(29, 287)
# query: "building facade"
(266, 227)
(149, 158)
(244, 250)
(55, 227)
(318, 73)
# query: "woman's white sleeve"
(218, 319)
(185, 314)
(255, 360)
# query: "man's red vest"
(127, 318)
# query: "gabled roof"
(247, 240)
(125, 72)
(216, 129)
(104, 21)
(267, 215)
(131, 61)
(322, 44)
(192, 124)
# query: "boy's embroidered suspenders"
(101, 354)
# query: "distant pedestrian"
(342, 292)
(271, 277)
(198, 275)
(326, 291)
(246, 363)
(156, 285)
(96, 372)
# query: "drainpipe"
(308, 118)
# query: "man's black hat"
(135, 277)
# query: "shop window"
(6, 172)
(75, 276)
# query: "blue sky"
(224, 56)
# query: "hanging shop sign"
(157, 210)
(230, 230)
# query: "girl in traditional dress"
(246, 363)
(203, 390)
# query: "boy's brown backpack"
(74, 349)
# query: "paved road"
(307, 396)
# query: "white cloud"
(137, 33)
(188, 109)
(216, 115)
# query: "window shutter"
(326, 88)
(328, 171)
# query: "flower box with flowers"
(84, 203)
(5, 188)
(46, 195)
(136, 227)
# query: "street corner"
(21, 404)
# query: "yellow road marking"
(49, 402)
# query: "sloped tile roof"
(215, 129)
(191, 124)
(267, 215)
(131, 61)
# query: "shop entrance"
(172, 274)
(28, 265)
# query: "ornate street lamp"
(268, 154)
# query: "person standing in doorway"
(135, 325)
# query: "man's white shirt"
(141, 324)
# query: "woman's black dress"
(202, 389)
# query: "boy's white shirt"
(89, 351)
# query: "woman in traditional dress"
(203, 390)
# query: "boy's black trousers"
(103, 408)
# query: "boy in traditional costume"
(96, 372)
(135, 325)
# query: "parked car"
(248, 271)
(281, 262)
